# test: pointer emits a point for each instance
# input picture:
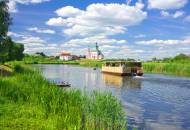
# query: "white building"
(95, 54)
(65, 56)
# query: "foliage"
(10, 50)
(28, 101)
(5, 19)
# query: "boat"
(61, 83)
(123, 68)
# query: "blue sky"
(139, 29)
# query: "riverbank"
(28, 101)
(178, 66)
(177, 69)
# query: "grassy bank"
(30, 102)
(171, 68)
(91, 63)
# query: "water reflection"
(120, 81)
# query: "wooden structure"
(123, 68)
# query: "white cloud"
(102, 40)
(13, 34)
(12, 4)
(12, 7)
(166, 4)
(165, 42)
(35, 29)
(177, 14)
(31, 40)
(165, 13)
(37, 44)
(98, 19)
(68, 11)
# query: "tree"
(5, 19)
(16, 52)
(8, 49)
(40, 54)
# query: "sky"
(139, 29)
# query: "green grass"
(30, 102)
(91, 63)
(171, 68)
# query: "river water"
(152, 102)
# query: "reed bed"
(171, 68)
(30, 102)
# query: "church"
(95, 54)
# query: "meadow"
(30, 102)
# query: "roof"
(122, 62)
(65, 54)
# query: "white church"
(95, 54)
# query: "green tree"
(5, 19)
(16, 52)
(8, 49)
(4, 49)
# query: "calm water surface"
(152, 102)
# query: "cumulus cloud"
(37, 30)
(68, 11)
(12, 4)
(165, 42)
(34, 44)
(99, 19)
(31, 40)
(13, 34)
(102, 40)
(177, 14)
(166, 4)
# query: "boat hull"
(123, 74)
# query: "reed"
(28, 101)
(171, 68)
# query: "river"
(152, 102)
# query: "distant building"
(65, 56)
(95, 54)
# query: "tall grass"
(172, 68)
(30, 102)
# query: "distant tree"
(129, 59)
(181, 57)
(41, 54)
(154, 59)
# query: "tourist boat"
(123, 68)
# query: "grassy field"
(30, 102)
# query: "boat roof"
(122, 62)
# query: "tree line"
(9, 50)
